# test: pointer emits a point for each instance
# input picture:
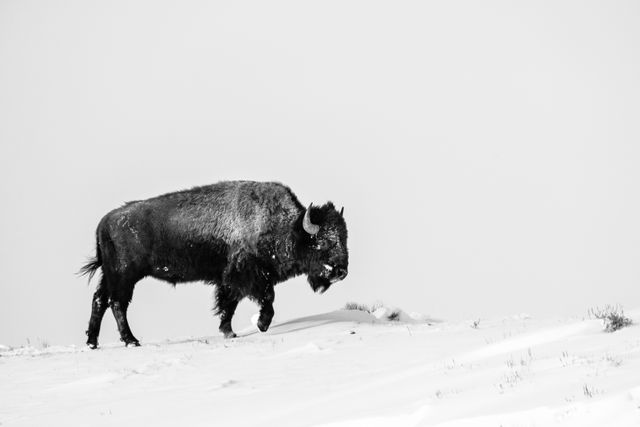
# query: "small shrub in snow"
(612, 316)
(356, 306)
(384, 313)
(613, 361)
(565, 360)
(394, 316)
(363, 307)
(376, 306)
(510, 380)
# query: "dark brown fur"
(242, 236)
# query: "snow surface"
(344, 368)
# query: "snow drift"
(344, 368)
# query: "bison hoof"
(263, 325)
(229, 335)
(131, 343)
(92, 343)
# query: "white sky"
(486, 154)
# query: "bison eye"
(322, 244)
(325, 244)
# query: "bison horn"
(342, 211)
(308, 226)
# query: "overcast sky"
(486, 153)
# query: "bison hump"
(239, 213)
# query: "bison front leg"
(266, 308)
(226, 303)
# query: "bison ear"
(342, 211)
(308, 226)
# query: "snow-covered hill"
(344, 368)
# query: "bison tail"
(91, 266)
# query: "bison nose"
(340, 273)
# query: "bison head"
(326, 243)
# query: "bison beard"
(242, 236)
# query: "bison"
(244, 237)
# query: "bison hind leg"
(121, 295)
(119, 309)
(99, 305)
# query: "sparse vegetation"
(527, 361)
(376, 305)
(364, 307)
(513, 378)
(615, 362)
(394, 316)
(356, 306)
(587, 391)
(451, 364)
(475, 324)
(612, 317)
(510, 380)
(39, 343)
(442, 393)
